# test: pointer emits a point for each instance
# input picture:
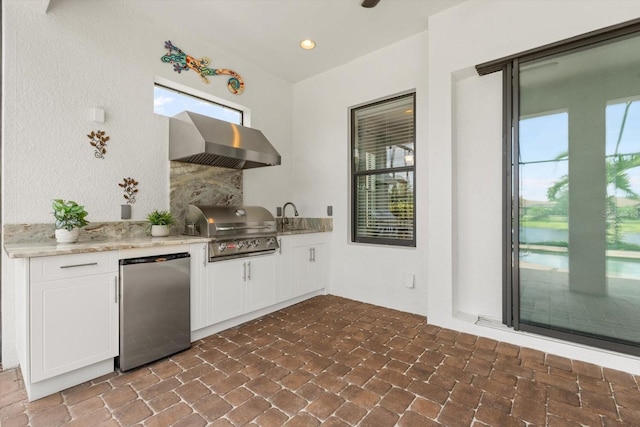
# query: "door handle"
(204, 255)
(314, 254)
(310, 255)
(79, 265)
(244, 271)
(249, 270)
(280, 246)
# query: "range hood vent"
(194, 138)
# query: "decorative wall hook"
(130, 187)
(181, 61)
(98, 141)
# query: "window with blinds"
(383, 172)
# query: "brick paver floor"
(337, 362)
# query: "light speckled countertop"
(37, 240)
(50, 247)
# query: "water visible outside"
(615, 266)
(534, 235)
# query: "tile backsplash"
(205, 185)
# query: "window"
(383, 172)
(169, 102)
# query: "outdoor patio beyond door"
(576, 207)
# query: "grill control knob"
(240, 245)
(271, 241)
(222, 247)
(256, 243)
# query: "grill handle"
(244, 227)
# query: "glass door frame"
(509, 67)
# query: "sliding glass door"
(576, 195)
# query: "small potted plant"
(160, 222)
(70, 217)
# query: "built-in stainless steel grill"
(235, 231)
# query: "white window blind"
(383, 170)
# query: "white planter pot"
(65, 236)
(159, 230)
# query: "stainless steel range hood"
(194, 138)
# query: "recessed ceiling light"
(307, 44)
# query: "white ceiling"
(268, 32)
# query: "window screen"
(383, 172)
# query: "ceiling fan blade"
(369, 3)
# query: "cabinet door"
(225, 290)
(319, 270)
(283, 260)
(74, 323)
(199, 262)
(302, 271)
(310, 263)
(261, 288)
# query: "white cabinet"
(240, 286)
(284, 269)
(199, 262)
(226, 289)
(226, 293)
(310, 263)
(72, 319)
(260, 283)
(223, 290)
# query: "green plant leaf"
(69, 214)
(160, 218)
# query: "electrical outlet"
(409, 280)
(125, 211)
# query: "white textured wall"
(477, 192)
(464, 178)
(369, 273)
(82, 55)
(85, 54)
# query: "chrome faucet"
(284, 213)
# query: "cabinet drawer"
(66, 266)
